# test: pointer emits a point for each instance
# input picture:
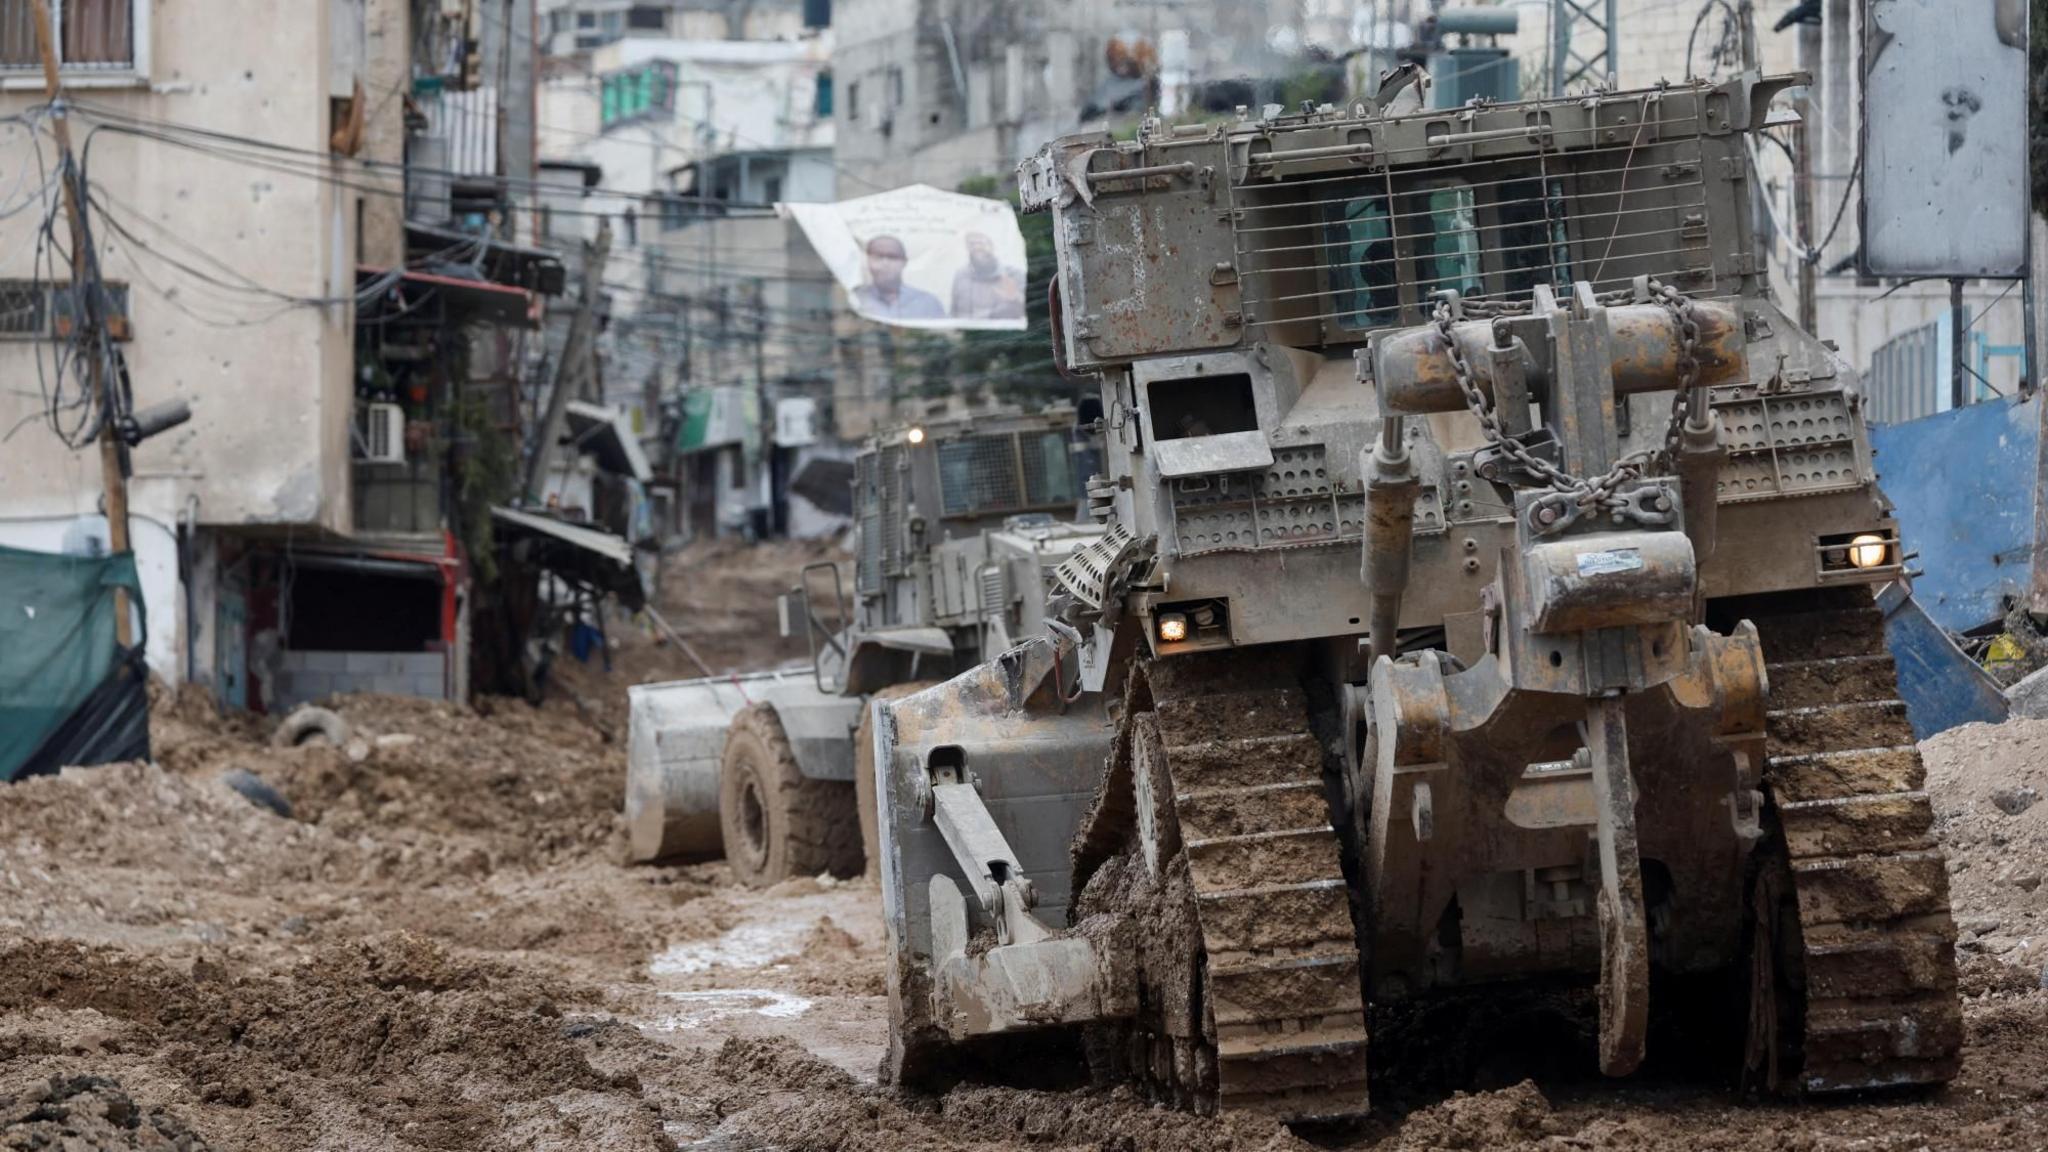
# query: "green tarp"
(57, 643)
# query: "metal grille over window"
(978, 475)
(30, 310)
(23, 308)
(1334, 241)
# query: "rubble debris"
(255, 791)
(87, 1112)
(2013, 801)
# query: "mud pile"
(390, 1041)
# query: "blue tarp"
(66, 692)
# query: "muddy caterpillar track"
(1856, 894)
(1249, 985)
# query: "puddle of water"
(747, 946)
(721, 1003)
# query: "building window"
(674, 212)
(637, 94)
(822, 106)
(895, 87)
(586, 20)
(853, 102)
(91, 35)
(35, 310)
(647, 18)
(772, 189)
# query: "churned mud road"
(438, 949)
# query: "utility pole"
(1802, 182)
(1958, 346)
(1585, 43)
(86, 314)
(579, 349)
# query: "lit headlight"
(1868, 551)
(1173, 627)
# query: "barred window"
(1359, 239)
(979, 475)
(1449, 251)
(32, 310)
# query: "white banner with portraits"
(918, 257)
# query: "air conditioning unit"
(383, 434)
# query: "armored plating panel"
(1793, 445)
(1293, 504)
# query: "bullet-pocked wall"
(226, 251)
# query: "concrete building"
(718, 310)
(941, 92)
(249, 211)
(571, 26)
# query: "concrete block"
(2029, 697)
(308, 685)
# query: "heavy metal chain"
(1596, 493)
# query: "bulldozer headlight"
(914, 436)
(1868, 551)
(1173, 627)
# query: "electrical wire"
(316, 164)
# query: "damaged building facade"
(315, 221)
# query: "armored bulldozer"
(1485, 604)
(957, 525)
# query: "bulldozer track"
(1876, 957)
(1230, 806)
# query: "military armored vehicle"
(1485, 603)
(958, 524)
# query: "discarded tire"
(308, 724)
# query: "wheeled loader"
(957, 525)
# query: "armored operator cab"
(1485, 601)
(957, 526)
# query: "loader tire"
(1853, 978)
(777, 822)
(864, 780)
